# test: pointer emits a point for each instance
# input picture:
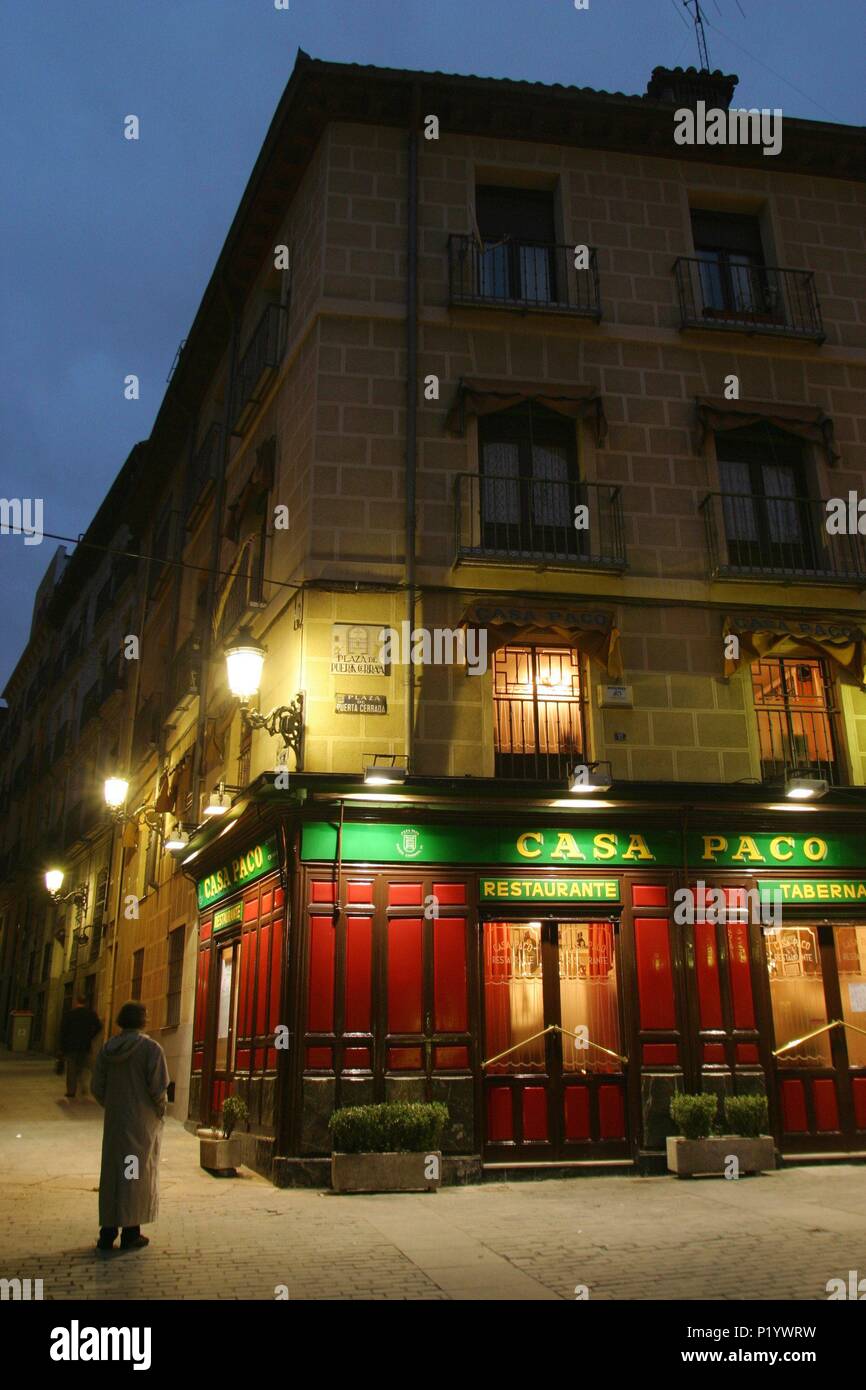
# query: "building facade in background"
(498, 376)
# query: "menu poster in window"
(857, 998)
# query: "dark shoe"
(137, 1242)
(104, 1243)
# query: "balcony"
(146, 729)
(519, 520)
(522, 275)
(258, 367)
(203, 469)
(752, 536)
(748, 298)
(244, 591)
(185, 677)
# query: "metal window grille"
(538, 706)
(794, 706)
(175, 977)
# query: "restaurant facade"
(552, 977)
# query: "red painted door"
(554, 1074)
(817, 979)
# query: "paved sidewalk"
(780, 1236)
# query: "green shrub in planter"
(746, 1115)
(694, 1115)
(392, 1127)
(234, 1112)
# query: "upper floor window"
(529, 485)
(538, 708)
(729, 248)
(794, 707)
(175, 977)
(518, 230)
(768, 514)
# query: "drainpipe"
(411, 397)
(219, 500)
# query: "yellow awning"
(591, 631)
(773, 634)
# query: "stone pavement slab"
(779, 1236)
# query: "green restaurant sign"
(813, 890)
(549, 888)
(255, 863)
(367, 842)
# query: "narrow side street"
(780, 1236)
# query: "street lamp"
(78, 896)
(245, 658)
(115, 792)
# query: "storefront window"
(851, 963)
(513, 995)
(797, 995)
(588, 995)
(226, 1009)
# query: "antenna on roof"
(699, 29)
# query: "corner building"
(549, 314)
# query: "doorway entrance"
(817, 981)
(554, 1069)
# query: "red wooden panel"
(405, 894)
(450, 1058)
(242, 1059)
(826, 1105)
(661, 1054)
(320, 994)
(404, 1058)
(707, 972)
(611, 1112)
(266, 902)
(500, 1121)
(201, 996)
(276, 975)
(449, 975)
(279, 897)
(359, 966)
(649, 895)
(356, 1057)
(534, 1112)
(577, 1112)
(741, 979)
(271, 1059)
(793, 1107)
(654, 974)
(747, 1052)
(359, 890)
(204, 931)
(322, 890)
(251, 906)
(262, 981)
(714, 1052)
(198, 1059)
(858, 1089)
(404, 975)
(450, 894)
(246, 982)
(318, 1058)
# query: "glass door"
(554, 1073)
(817, 977)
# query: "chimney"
(687, 86)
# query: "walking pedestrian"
(77, 1031)
(130, 1081)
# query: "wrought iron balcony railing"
(258, 366)
(747, 298)
(185, 674)
(752, 536)
(203, 469)
(522, 520)
(514, 274)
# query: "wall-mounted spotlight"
(386, 771)
(806, 788)
(245, 658)
(586, 778)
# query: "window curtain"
(593, 632)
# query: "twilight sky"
(107, 244)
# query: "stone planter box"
(216, 1154)
(393, 1172)
(692, 1157)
